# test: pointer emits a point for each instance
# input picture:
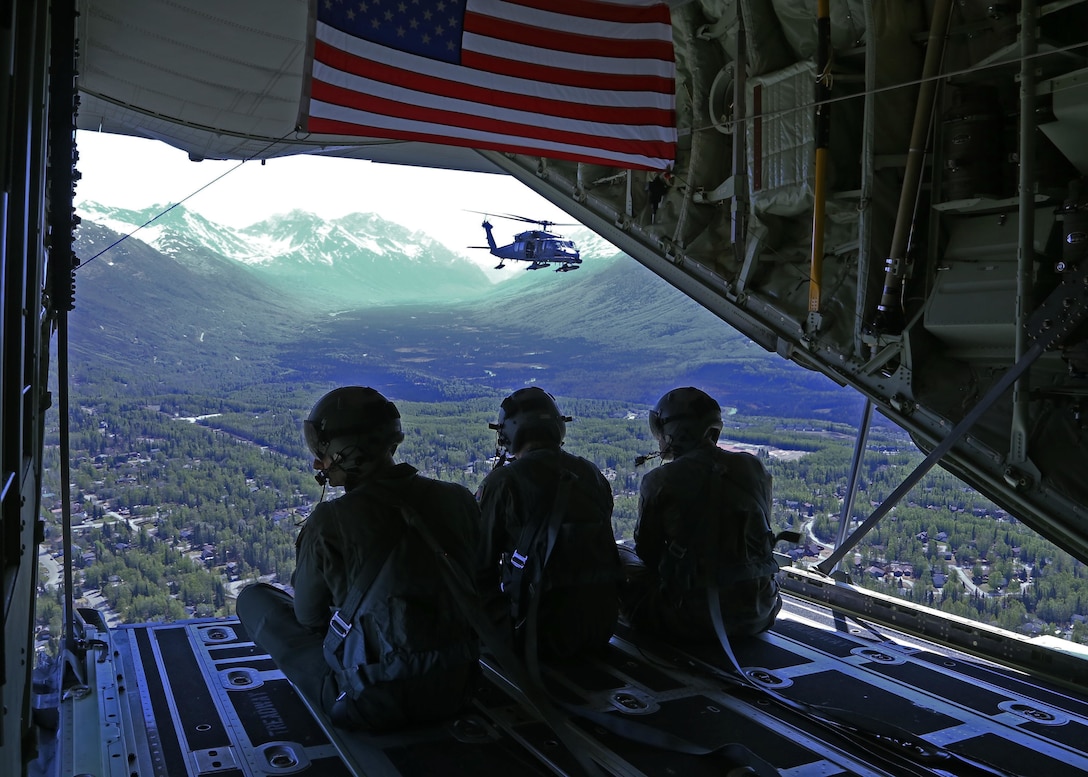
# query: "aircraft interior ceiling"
(936, 275)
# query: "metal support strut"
(855, 468)
(1051, 323)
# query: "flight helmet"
(352, 425)
(527, 415)
(683, 419)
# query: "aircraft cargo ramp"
(199, 698)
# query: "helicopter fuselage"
(538, 247)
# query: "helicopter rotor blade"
(515, 217)
(545, 223)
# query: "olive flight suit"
(578, 605)
(336, 542)
(708, 506)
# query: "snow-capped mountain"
(356, 260)
(189, 303)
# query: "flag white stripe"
(549, 20)
(520, 52)
(440, 131)
(494, 81)
(399, 94)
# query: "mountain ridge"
(354, 259)
(610, 331)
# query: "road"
(53, 574)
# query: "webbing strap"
(339, 626)
(555, 521)
(887, 736)
(624, 727)
(464, 593)
(663, 740)
(526, 558)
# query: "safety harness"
(886, 738)
(350, 682)
(539, 541)
(523, 572)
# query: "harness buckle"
(676, 550)
(339, 626)
(518, 559)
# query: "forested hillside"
(610, 331)
(190, 378)
(181, 499)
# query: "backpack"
(391, 627)
(729, 549)
(566, 550)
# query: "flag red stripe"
(366, 68)
(534, 71)
(609, 12)
(566, 41)
(331, 127)
(335, 95)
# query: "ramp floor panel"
(200, 699)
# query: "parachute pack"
(565, 551)
(731, 533)
(398, 620)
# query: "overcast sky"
(135, 173)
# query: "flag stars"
(431, 29)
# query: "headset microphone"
(321, 478)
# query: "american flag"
(584, 80)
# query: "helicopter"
(539, 247)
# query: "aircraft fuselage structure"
(890, 194)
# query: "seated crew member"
(409, 656)
(546, 535)
(704, 518)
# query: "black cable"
(186, 198)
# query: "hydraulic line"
(865, 218)
(822, 131)
(1025, 255)
(890, 314)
